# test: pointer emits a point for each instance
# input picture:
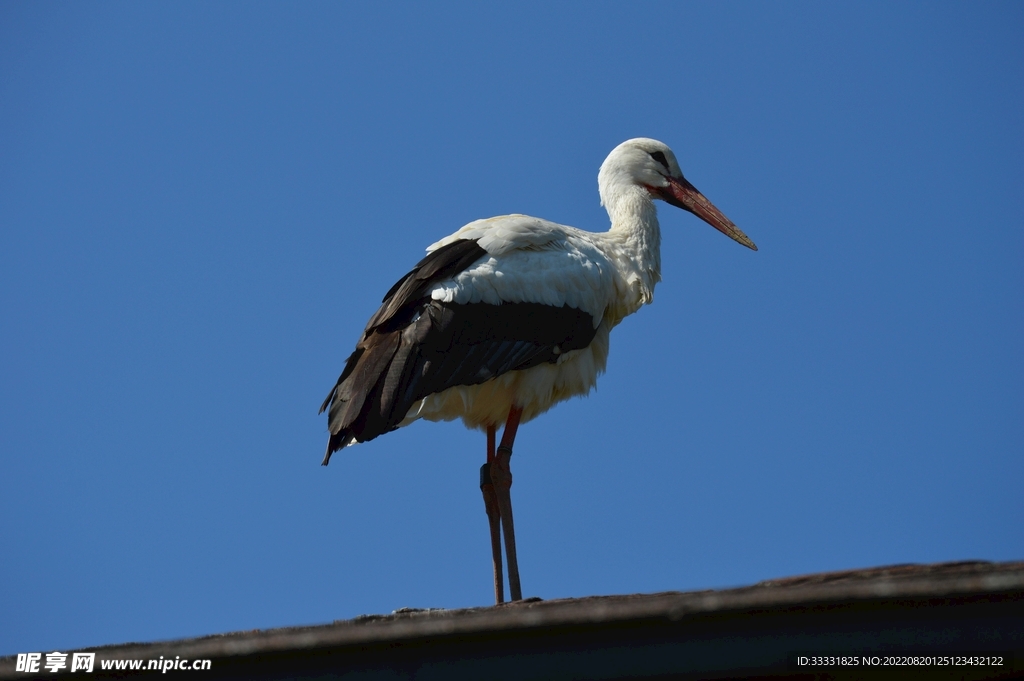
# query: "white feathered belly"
(535, 390)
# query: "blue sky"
(202, 203)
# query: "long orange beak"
(682, 194)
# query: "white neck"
(635, 229)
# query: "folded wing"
(415, 346)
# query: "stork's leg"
(501, 476)
(493, 517)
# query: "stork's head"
(651, 165)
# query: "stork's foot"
(494, 521)
(501, 478)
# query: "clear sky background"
(202, 203)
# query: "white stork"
(509, 316)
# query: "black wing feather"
(414, 347)
(437, 266)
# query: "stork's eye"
(659, 156)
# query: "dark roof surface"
(940, 610)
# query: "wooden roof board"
(946, 609)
